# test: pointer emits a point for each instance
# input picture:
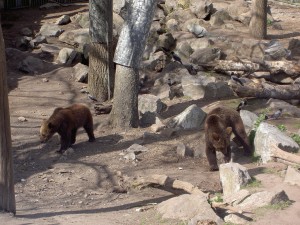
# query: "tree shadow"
(98, 210)
(13, 20)
(283, 36)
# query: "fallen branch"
(276, 152)
(289, 67)
(165, 181)
(102, 109)
(168, 182)
(266, 90)
(226, 206)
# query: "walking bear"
(219, 125)
(66, 121)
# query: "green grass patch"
(255, 158)
(281, 127)
(217, 198)
(296, 138)
(254, 183)
(278, 206)
(261, 118)
(269, 22)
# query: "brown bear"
(66, 121)
(219, 124)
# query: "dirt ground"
(79, 188)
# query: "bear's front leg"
(212, 158)
(227, 155)
(65, 143)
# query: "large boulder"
(64, 19)
(65, 55)
(81, 72)
(78, 36)
(50, 30)
(181, 15)
(201, 8)
(218, 90)
(50, 48)
(233, 177)
(264, 198)
(248, 118)
(292, 176)
(31, 65)
(205, 55)
(167, 41)
(238, 7)
(201, 43)
(268, 135)
(38, 40)
(193, 208)
(82, 19)
(194, 86)
(119, 5)
(191, 118)
(149, 107)
(288, 109)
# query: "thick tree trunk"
(258, 22)
(7, 192)
(101, 69)
(128, 56)
(125, 106)
(99, 78)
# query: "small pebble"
(22, 119)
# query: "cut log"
(266, 90)
(289, 67)
(168, 182)
(102, 109)
(227, 207)
(276, 152)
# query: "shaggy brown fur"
(66, 121)
(219, 125)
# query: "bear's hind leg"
(65, 142)
(73, 136)
(89, 130)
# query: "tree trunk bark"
(7, 192)
(101, 68)
(125, 106)
(99, 79)
(128, 56)
(258, 22)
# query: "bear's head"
(221, 140)
(47, 130)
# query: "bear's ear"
(215, 136)
(50, 125)
(229, 130)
